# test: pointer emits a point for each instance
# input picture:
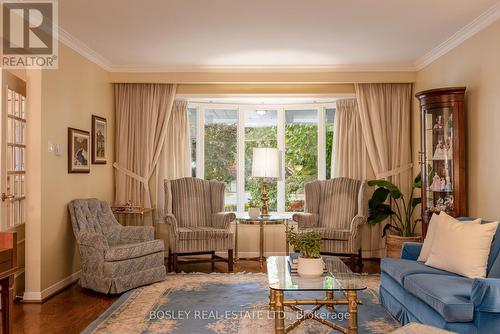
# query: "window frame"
(241, 109)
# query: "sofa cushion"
(398, 269)
(447, 295)
(202, 233)
(122, 251)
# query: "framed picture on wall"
(99, 140)
(78, 151)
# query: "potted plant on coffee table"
(401, 225)
(308, 244)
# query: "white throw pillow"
(462, 248)
(431, 232)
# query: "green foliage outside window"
(220, 154)
(300, 159)
(301, 142)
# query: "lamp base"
(264, 197)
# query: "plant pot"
(310, 267)
(394, 244)
(253, 212)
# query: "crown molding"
(83, 49)
(478, 24)
(262, 68)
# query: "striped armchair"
(197, 221)
(336, 209)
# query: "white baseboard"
(39, 297)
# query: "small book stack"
(293, 262)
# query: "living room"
(235, 166)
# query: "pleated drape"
(142, 114)
(385, 112)
(349, 150)
(175, 158)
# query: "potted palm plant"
(401, 226)
(310, 263)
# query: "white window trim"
(241, 110)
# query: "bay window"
(223, 137)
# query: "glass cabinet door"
(438, 155)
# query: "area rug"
(226, 303)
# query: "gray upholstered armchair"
(114, 258)
(336, 209)
(197, 221)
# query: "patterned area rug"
(226, 303)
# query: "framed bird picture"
(78, 151)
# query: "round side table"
(273, 219)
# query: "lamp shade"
(266, 163)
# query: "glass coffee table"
(337, 278)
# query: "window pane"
(301, 155)
(193, 125)
(330, 118)
(221, 151)
(261, 128)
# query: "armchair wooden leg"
(175, 263)
(213, 261)
(230, 260)
(169, 261)
(360, 261)
(352, 262)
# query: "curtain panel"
(385, 112)
(175, 157)
(142, 115)
(349, 150)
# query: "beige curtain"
(349, 151)
(175, 158)
(385, 111)
(349, 160)
(142, 112)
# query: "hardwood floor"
(74, 308)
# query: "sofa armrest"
(411, 250)
(222, 219)
(93, 240)
(486, 294)
(137, 233)
(171, 221)
(306, 220)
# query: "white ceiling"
(177, 35)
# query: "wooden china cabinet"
(442, 156)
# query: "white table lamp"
(266, 164)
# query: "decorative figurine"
(436, 183)
(439, 153)
(439, 122)
(448, 186)
(449, 147)
(443, 184)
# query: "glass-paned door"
(13, 164)
(439, 159)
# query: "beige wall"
(69, 96)
(476, 65)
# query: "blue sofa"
(414, 292)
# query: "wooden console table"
(8, 266)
